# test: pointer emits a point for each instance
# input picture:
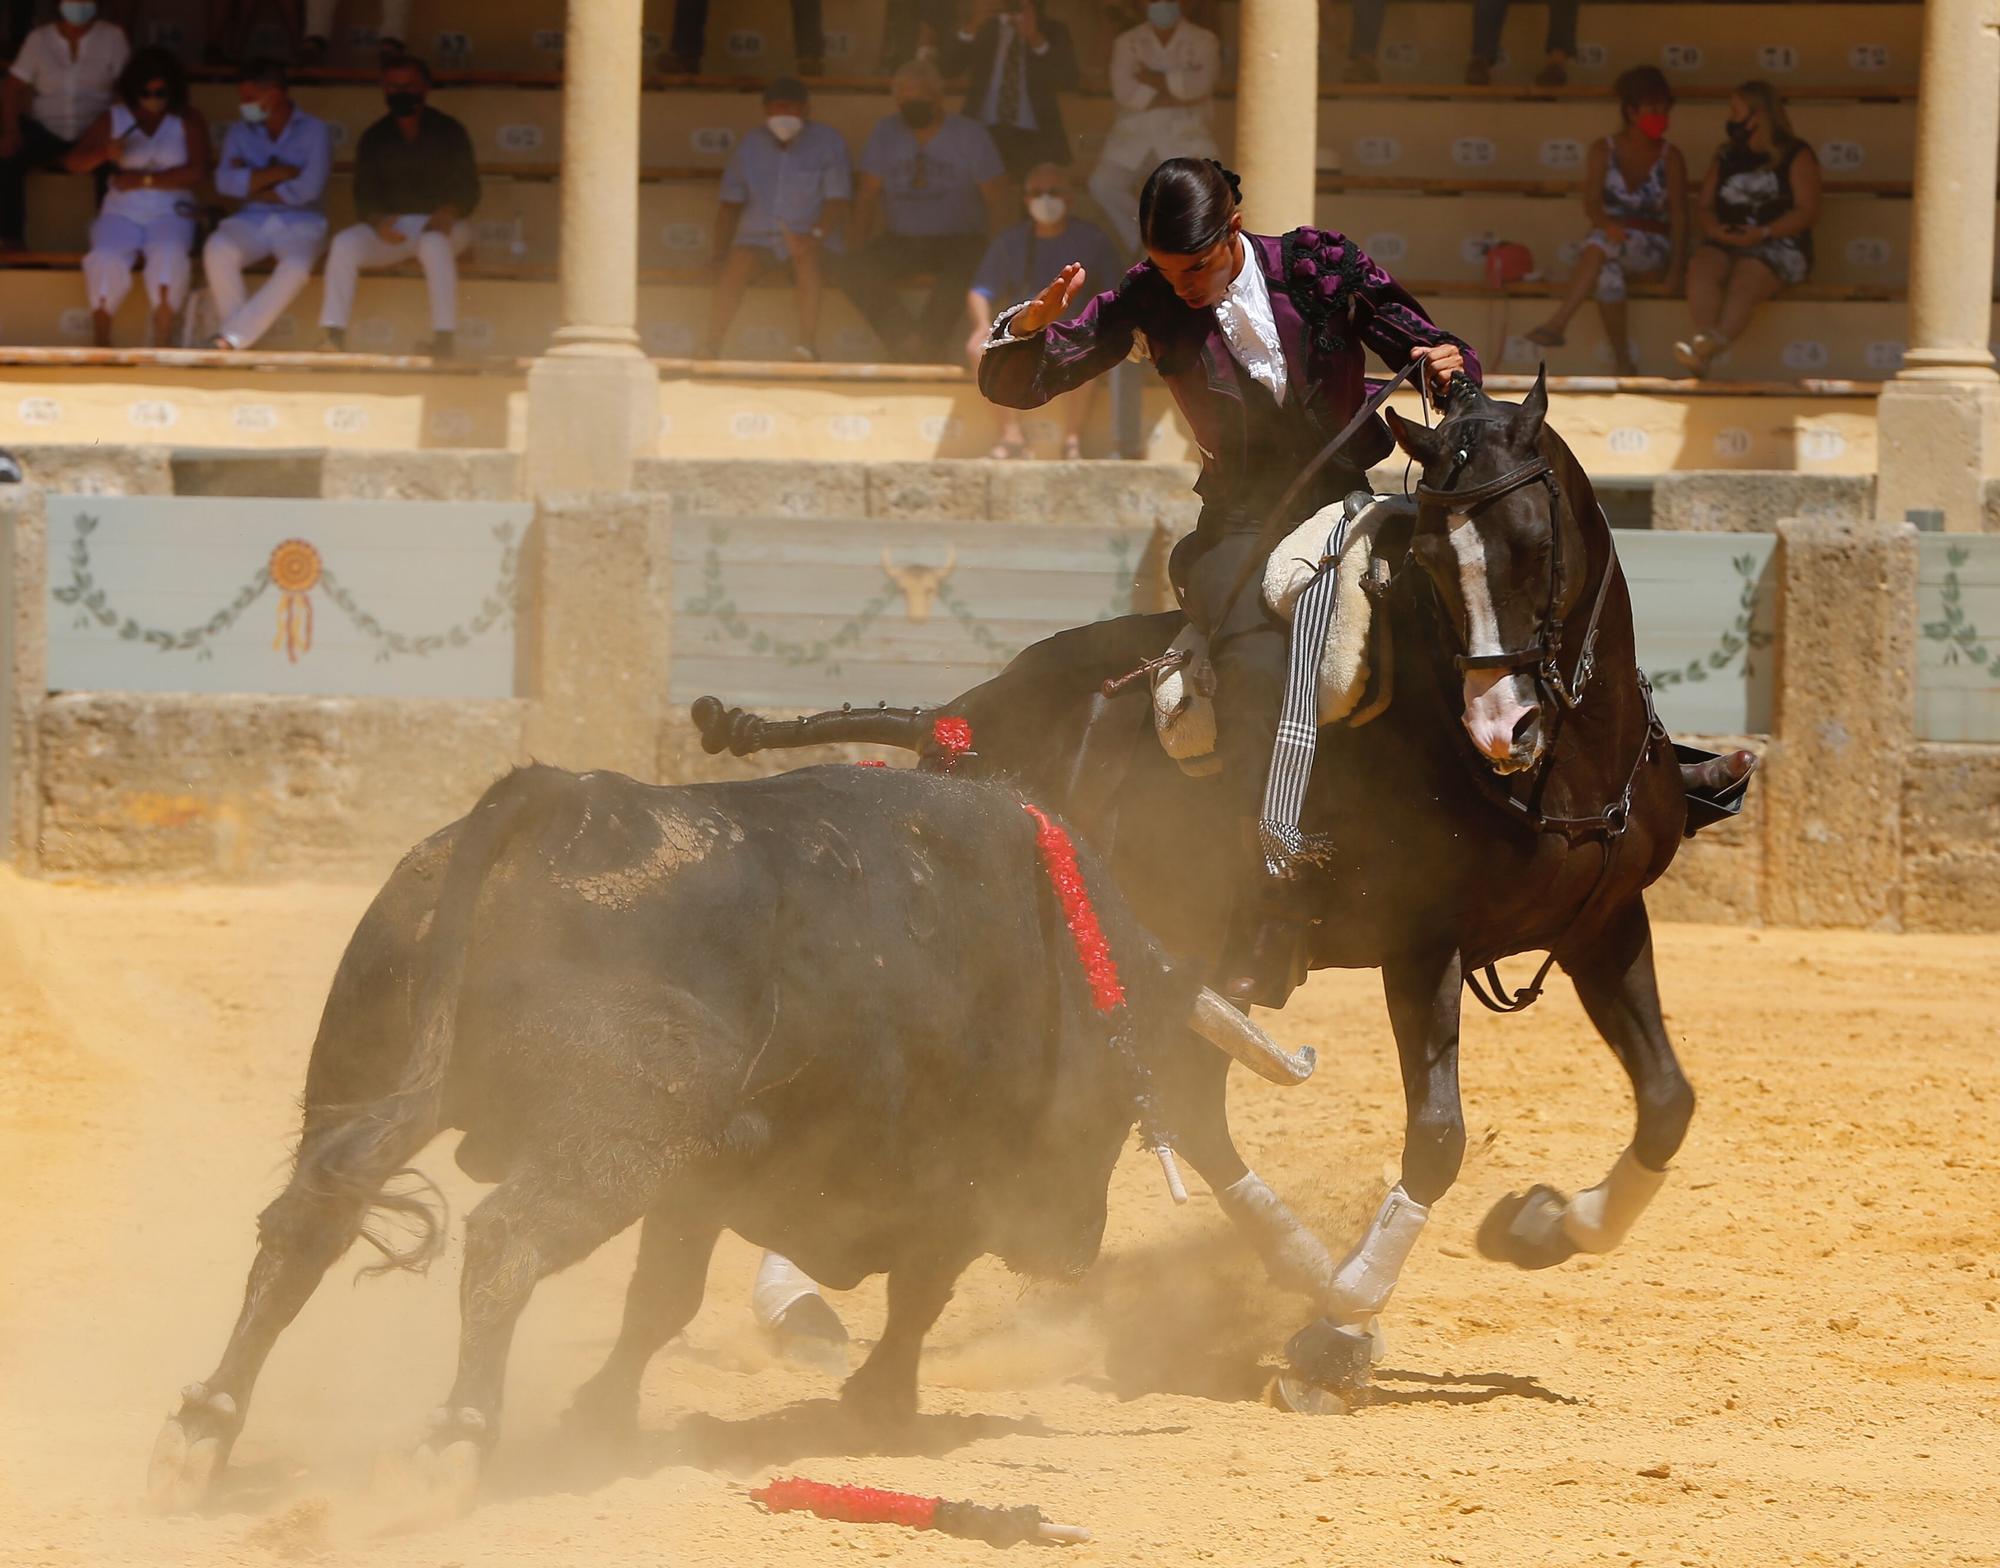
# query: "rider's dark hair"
(1643, 84)
(1186, 206)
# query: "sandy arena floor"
(1796, 1359)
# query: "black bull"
(838, 1012)
(1440, 863)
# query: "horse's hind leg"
(303, 1232)
(1616, 983)
(1193, 1086)
(663, 1297)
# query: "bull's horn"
(1225, 1028)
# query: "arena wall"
(1857, 819)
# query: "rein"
(1544, 657)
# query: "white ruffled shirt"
(1249, 327)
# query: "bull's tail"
(354, 1154)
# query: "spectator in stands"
(275, 162)
(1488, 18)
(391, 33)
(785, 201)
(915, 30)
(1757, 206)
(1017, 263)
(936, 183)
(1163, 79)
(416, 184)
(1014, 63)
(61, 81)
(690, 38)
(158, 145)
(1635, 195)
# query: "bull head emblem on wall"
(919, 584)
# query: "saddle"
(1356, 663)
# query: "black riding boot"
(1264, 955)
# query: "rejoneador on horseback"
(1262, 341)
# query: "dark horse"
(1444, 855)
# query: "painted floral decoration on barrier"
(1740, 639)
(1953, 628)
(295, 569)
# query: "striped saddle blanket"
(1332, 554)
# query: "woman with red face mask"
(1635, 193)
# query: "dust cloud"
(1795, 1358)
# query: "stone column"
(1843, 722)
(24, 682)
(593, 399)
(592, 650)
(1277, 112)
(1939, 420)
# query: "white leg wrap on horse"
(1363, 1284)
(780, 1282)
(1597, 1220)
(1294, 1255)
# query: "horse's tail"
(352, 1152)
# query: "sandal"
(1545, 337)
(1009, 451)
(1695, 353)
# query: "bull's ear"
(1420, 441)
(1534, 409)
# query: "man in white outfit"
(275, 161)
(1165, 83)
(415, 185)
(1163, 76)
(392, 35)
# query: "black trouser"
(41, 149)
(875, 275)
(1246, 644)
(691, 30)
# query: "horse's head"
(1489, 535)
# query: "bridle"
(1544, 658)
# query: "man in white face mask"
(1013, 269)
(785, 199)
(60, 82)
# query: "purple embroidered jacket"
(1330, 302)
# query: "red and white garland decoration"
(1079, 914)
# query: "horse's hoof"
(1292, 1393)
(1526, 1230)
(1331, 1356)
(809, 1333)
(191, 1451)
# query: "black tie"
(1009, 106)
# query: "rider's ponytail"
(1186, 206)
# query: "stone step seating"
(1380, 134)
(1702, 41)
(1432, 231)
(510, 313)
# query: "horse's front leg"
(1615, 981)
(1422, 992)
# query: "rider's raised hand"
(1052, 304)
